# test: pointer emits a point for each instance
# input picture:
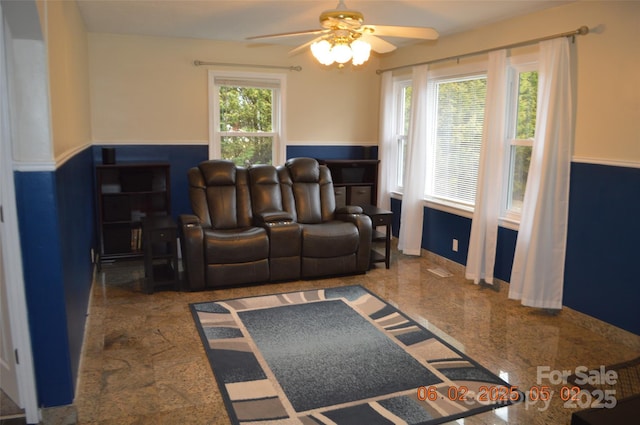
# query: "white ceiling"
(234, 20)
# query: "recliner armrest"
(349, 209)
(365, 230)
(188, 219)
(192, 244)
(273, 217)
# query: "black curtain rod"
(583, 30)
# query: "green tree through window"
(527, 105)
(245, 112)
(522, 145)
(402, 129)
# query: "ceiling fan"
(344, 37)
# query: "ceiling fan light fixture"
(341, 18)
(344, 37)
(341, 51)
(322, 52)
(361, 51)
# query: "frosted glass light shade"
(361, 51)
(322, 52)
(341, 52)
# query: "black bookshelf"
(126, 194)
(355, 182)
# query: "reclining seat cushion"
(329, 239)
(229, 246)
(322, 236)
(231, 239)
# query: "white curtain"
(484, 227)
(410, 240)
(386, 143)
(538, 267)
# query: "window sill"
(509, 223)
(450, 207)
(460, 210)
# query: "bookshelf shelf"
(126, 194)
(355, 182)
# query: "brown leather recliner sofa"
(268, 223)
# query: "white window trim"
(437, 76)
(399, 85)
(517, 65)
(278, 108)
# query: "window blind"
(460, 116)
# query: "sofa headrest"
(304, 170)
(218, 172)
(263, 174)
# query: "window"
(455, 121)
(456, 137)
(522, 124)
(403, 117)
(246, 118)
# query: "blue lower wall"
(602, 243)
(74, 181)
(332, 151)
(601, 278)
(438, 231)
(439, 228)
(56, 221)
(40, 237)
(505, 250)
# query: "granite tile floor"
(143, 362)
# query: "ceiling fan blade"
(304, 46)
(423, 33)
(378, 45)
(286, 34)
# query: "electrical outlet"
(455, 245)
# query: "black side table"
(159, 235)
(380, 217)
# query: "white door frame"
(14, 278)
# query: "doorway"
(17, 378)
(8, 370)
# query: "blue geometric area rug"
(338, 356)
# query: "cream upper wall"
(147, 90)
(28, 94)
(607, 69)
(67, 50)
